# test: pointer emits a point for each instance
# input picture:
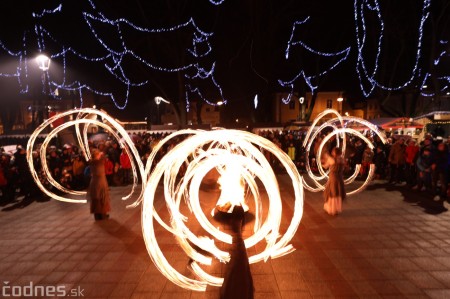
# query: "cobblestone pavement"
(389, 242)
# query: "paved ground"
(388, 243)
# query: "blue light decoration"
(367, 78)
(309, 79)
(416, 73)
(202, 74)
(290, 42)
(113, 60)
(367, 72)
(47, 11)
(445, 80)
(216, 2)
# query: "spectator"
(109, 170)
(66, 179)
(428, 143)
(125, 165)
(291, 151)
(397, 161)
(66, 158)
(25, 178)
(367, 158)
(359, 149)
(54, 164)
(3, 183)
(11, 176)
(439, 165)
(380, 161)
(78, 166)
(424, 170)
(114, 155)
(412, 151)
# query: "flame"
(236, 155)
(338, 124)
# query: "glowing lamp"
(43, 62)
(158, 100)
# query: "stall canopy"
(388, 123)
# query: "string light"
(443, 80)
(216, 2)
(342, 55)
(200, 47)
(114, 58)
(360, 7)
(294, 26)
(363, 9)
(46, 11)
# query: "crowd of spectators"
(68, 167)
(402, 161)
(424, 167)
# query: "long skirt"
(333, 205)
(98, 194)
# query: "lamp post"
(43, 62)
(219, 104)
(301, 100)
(340, 100)
(158, 101)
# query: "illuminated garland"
(216, 2)
(294, 26)
(113, 60)
(361, 6)
(367, 77)
(445, 79)
(342, 55)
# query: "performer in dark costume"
(238, 281)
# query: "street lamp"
(158, 101)
(301, 100)
(340, 100)
(218, 108)
(43, 62)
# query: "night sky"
(247, 42)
